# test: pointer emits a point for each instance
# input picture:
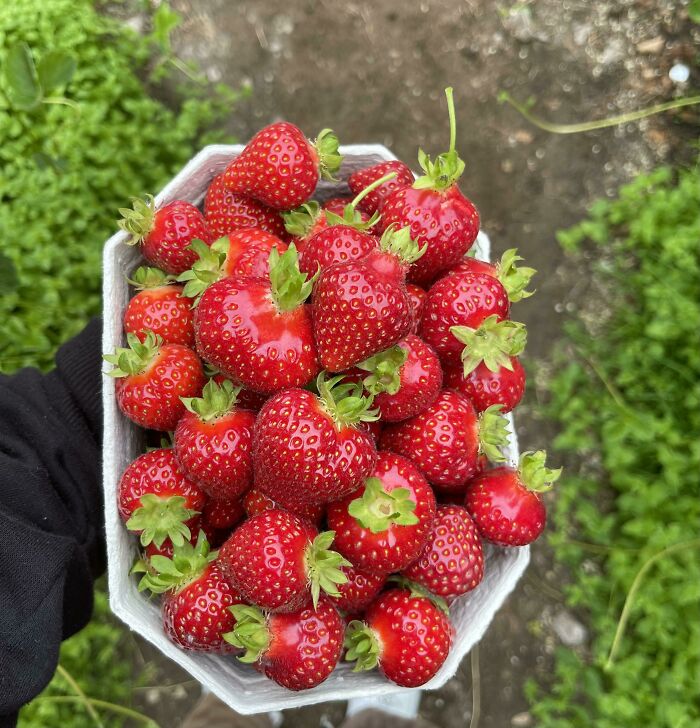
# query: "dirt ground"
(375, 71)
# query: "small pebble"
(679, 73)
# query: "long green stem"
(476, 687)
(363, 193)
(80, 693)
(113, 707)
(629, 600)
(599, 123)
(453, 118)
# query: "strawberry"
(247, 399)
(484, 387)
(361, 307)
(214, 442)
(160, 307)
(505, 503)
(359, 591)
(464, 300)
(303, 222)
(258, 331)
(404, 633)
(513, 279)
(383, 525)
(280, 167)
(226, 212)
(255, 501)
(439, 215)
(308, 448)
(165, 234)
(196, 598)
(338, 205)
(297, 650)
(279, 561)
(445, 440)
(404, 379)
(222, 515)
(452, 561)
(418, 297)
(242, 254)
(151, 379)
(363, 178)
(157, 501)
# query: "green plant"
(64, 170)
(628, 402)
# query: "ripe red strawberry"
(404, 633)
(452, 561)
(445, 440)
(404, 379)
(383, 525)
(439, 215)
(223, 515)
(505, 503)
(338, 205)
(359, 591)
(308, 448)
(513, 279)
(485, 388)
(247, 399)
(279, 561)
(258, 331)
(418, 298)
(226, 212)
(242, 254)
(151, 377)
(465, 300)
(160, 307)
(165, 234)
(303, 222)
(298, 650)
(157, 501)
(255, 501)
(361, 307)
(361, 179)
(196, 598)
(214, 442)
(280, 167)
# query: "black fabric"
(51, 524)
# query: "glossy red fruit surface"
(226, 212)
(460, 300)
(358, 591)
(486, 388)
(255, 501)
(364, 177)
(452, 561)
(164, 311)
(222, 515)
(335, 244)
(418, 297)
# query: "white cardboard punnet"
(241, 687)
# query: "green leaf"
(55, 69)
(165, 20)
(9, 281)
(21, 78)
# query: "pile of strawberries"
(334, 378)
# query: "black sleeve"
(51, 523)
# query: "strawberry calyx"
(362, 646)
(418, 591)
(144, 277)
(187, 564)
(345, 402)
(301, 220)
(161, 517)
(216, 400)
(447, 168)
(137, 220)
(515, 280)
(351, 216)
(493, 433)
(377, 509)
(494, 342)
(384, 370)
(208, 268)
(398, 242)
(533, 473)
(289, 286)
(323, 567)
(136, 357)
(329, 159)
(250, 632)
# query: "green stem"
(113, 707)
(80, 693)
(632, 593)
(453, 118)
(599, 123)
(476, 687)
(363, 193)
(61, 101)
